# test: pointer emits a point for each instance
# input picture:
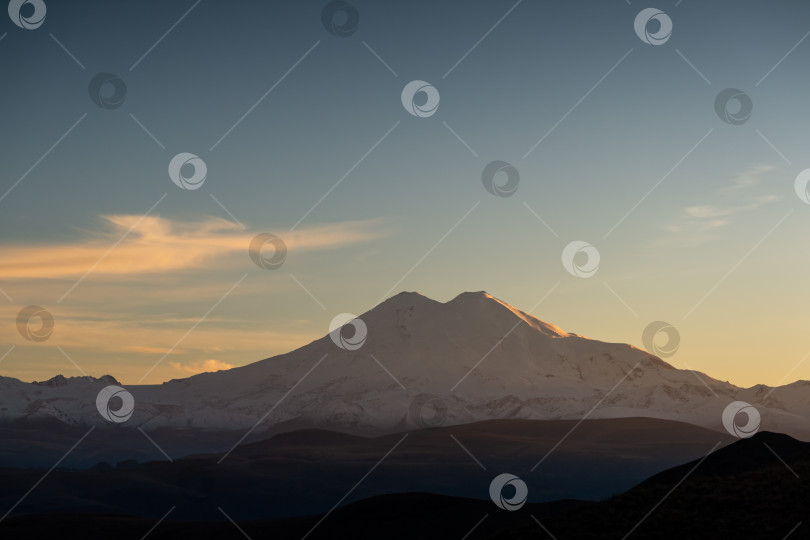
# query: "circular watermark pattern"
(500, 189)
(655, 329)
(340, 18)
(654, 16)
(727, 112)
(37, 334)
(427, 411)
(355, 338)
(32, 21)
(107, 90)
(431, 99)
(185, 179)
(516, 501)
(730, 419)
(800, 185)
(104, 402)
(572, 259)
(260, 246)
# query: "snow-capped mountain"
(423, 363)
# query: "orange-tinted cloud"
(156, 244)
(149, 350)
(144, 336)
(205, 366)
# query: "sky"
(615, 136)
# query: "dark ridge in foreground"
(752, 489)
(393, 517)
(309, 471)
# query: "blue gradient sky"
(683, 255)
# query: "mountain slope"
(752, 489)
(479, 356)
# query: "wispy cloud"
(147, 292)
(206, 366)
(148, 350)
(750, 177)
(711, 212)
(695, 224)
(125, 344)
(158, 245)
(142, 336)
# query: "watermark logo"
(267, 251)
(425, 90)
(500, 189)
(187, 171)
(643, 22)
(580, 259)
(340, 18)
(29, 331)
(104, 402)
(35, 13)
(516, 501)
(107, 90)
(802, 181)
(730, 114)
(730, 419)
(352, 340)
(658, 328)
(427, 411)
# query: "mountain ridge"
(743, 490)
(423, 362)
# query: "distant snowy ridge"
(523, 368)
